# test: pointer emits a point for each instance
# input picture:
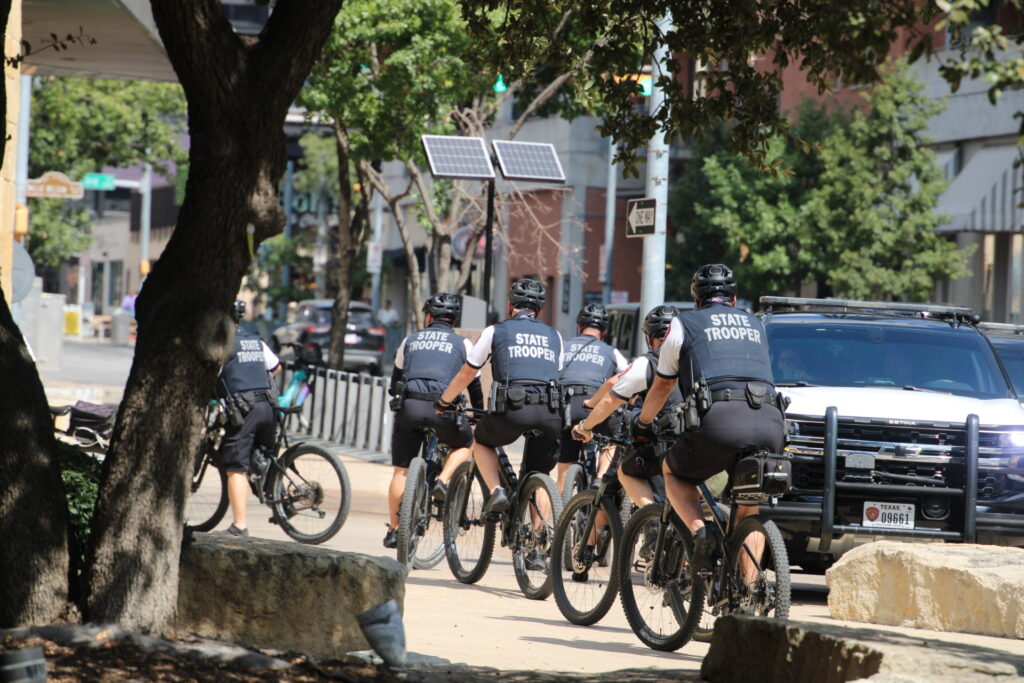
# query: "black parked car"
(1008, 341)
(364, 341)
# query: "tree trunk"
(33, 511)
(238, 92)
(415, 286)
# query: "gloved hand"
(441, 406)
(642, 431)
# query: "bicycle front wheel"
(310, 494)
(468, 539)
(585, 587)
(575, 481)
(538, 508)
(759, 566)
(411, 512)
(661, 604)
(206, 500)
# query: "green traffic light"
(500, 85)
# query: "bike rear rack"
(969, 493)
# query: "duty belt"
(578, 389)
(423, 395)
(737, 395)
(254, 395)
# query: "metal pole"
(489, 232)
(609, 220)
(378, 232)
(321, 239)
(145, 218)
(286, 270)
(24, 122)
(652, 290)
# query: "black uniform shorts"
(410, 422)
(642, 462)
(571, 449)
(727, 428)
(258, 428)
(495, 430)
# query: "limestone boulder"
(282, 595)
(745, 649)
(946, 587)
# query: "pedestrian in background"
(128, 302)
(387, 317)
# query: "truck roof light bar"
(777, 303)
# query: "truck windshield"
(867, 353)
(1011, 353)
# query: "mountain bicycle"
(306, 488)
(585, 544)
(301, 383)
(420, 517)
(663, 596)
(527, 525)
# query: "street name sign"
(99, 181)
(54, 185)
(640, 217)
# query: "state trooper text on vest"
(732, 326)
(531, 346)
(431, 340)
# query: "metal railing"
(345, 408)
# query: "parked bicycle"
(306, 488)
(664, 598)
(420, 516)
(301, 383)
(586, 540)
(527, 525)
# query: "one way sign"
(640, 217)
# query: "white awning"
(984, 196)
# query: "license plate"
(889, 515)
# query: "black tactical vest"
(721, 342)
(246, 369)
(432, 357)
(524, 351)
(587, 360)
(674, 396)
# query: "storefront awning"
(985, 194)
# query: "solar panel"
(457, 157)
(529, 161)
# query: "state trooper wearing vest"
(425, 364)
(641, 463)
(525, 357)
(718, 355)
(587, 363)
(245, 389)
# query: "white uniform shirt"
(633, 380)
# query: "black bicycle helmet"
(711, 280)
(443, 306)
(527, 293)
(656, 322)
(593, 315)
(238, 311)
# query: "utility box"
(120, 327)
(49, 326)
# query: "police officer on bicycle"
(718, 356)
(525, 357)
(245, 388)
(425, 364)
(641, 464)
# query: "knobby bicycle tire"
(206, 500)
(574, 481)
(535, 584)
(430, 547)
(468, 541)
(706, 626)
(656, 593)
(411, 510)
(771, 595)
(570, 584)
(311, 494)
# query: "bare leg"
(754, 543)
(238, 496)
(395, 491)
(560, 475)
(684, 498)
(487, 462)
(455, 458)
(638, 489)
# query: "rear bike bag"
(95, 416)
(759, 478)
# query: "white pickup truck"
(902, 423)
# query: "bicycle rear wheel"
(311, 494)
(468, 540)
(538, 509)
(662, 606)
(759, 566)
(206, 500)
(585, 588)
(414, 511)
(575, 481)
(430, 549)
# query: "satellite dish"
(23, 273)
